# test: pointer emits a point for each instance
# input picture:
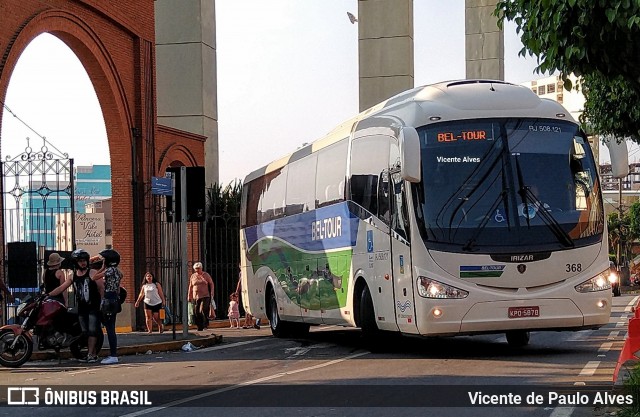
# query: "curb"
(171, 345)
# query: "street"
(333, 373)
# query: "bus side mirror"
(619, 156)
(410, 167)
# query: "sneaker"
(257, 325)
(92, 359)
(83, 359)
(109, 360)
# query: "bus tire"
(278, 327)
(518, 338)
(367, 315)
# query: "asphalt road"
(332, 373)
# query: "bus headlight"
(613, 277)
(598, 283)
(430, 288)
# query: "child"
(234, 312)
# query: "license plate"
(524, 312)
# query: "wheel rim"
(274, 319)
(15, 354)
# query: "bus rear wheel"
(367, 315)
(280, 328)
(518, 338)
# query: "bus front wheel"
(281, 328)
(277, 325)
(518, 338)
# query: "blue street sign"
(161, 186)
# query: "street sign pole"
(183, 248)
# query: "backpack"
(122, 295)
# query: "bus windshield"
(505, 185)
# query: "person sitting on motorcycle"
(54, 276)
(88, 299)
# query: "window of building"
(551, 88)
(541, 90)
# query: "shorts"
(90, 323)
(154, 309)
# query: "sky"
(287, 74)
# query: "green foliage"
(632, 387)
(578, 36)
(624, 230)
(598, 40)
(620, 119)
(221, 237)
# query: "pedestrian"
(234, 311)
(212, 310)
(200, 292)
(110, 305)
(153, 296)
(54, 276)
(88, 297)
(248, 318)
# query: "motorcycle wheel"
(79, 347)
(14, 357)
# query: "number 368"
(573, 267)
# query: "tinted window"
(332, 166)
(369, 157)
(272, 202)
(301, 186)
(251, 198)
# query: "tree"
(579, 36)
(598, 40)
(621, 118)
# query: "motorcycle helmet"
(79, 254)
(111, 257)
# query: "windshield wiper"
(501, 198)
(528, 197)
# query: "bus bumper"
(488, 317)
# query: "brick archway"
(116, 45)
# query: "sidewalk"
(132, 343)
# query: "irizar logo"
(521, 258)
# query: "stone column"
(484, 42)
(385, 49)
(186, 72)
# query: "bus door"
(401, 256)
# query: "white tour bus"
(463, 207)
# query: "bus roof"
(449, 100)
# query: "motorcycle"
(51, 323)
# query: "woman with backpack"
(153, 297)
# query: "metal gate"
(38, 203)
(221, 242)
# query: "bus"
(459, 208)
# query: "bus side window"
(383, 197)
(369, 156)
(400, 215)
